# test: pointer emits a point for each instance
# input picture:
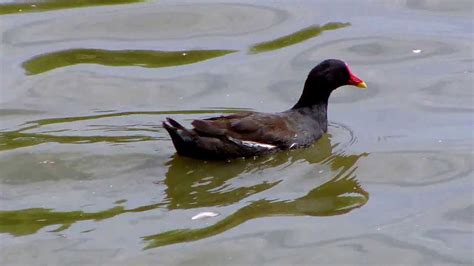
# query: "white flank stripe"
(258, 144)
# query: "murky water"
(88, 176)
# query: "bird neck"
(318, 112)
(314, 94)
(314, 103)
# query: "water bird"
(247, 134)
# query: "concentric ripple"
(150, 23)
(374, 50)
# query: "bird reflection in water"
(196, 184)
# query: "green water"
(155, 59)
(337, 196)
(40, 6)
(297, 37)
(324, 200)
(150, 59)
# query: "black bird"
(252, 133)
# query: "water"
(88, 175)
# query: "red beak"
(354, 80)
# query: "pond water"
(89, 176)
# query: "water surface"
(89, 176)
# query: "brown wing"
(264, 128)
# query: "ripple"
(342, 136)
(89, 90)
(197, 184)
(142, 58)
(463, 6)
(30, 221)
(446, 96)
(338, 196)
(379, 245)
(341, 194)
(463, 215)
(451, 238)
(18, 112)
(194, 184)
(296, 37)
(47, 130)
(416, 168)
(374, 50)
(19, 8)
(151, 23)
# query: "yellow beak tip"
(362, 85)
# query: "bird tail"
(182, 138)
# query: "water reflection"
(30, 221)
(194, 184)
(155, 59)
(191, 185)
(39, 6)
(141, 58)
(49, 121)
(10, 140)
(296, 37)
(14, 140)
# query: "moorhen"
(252, 133)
